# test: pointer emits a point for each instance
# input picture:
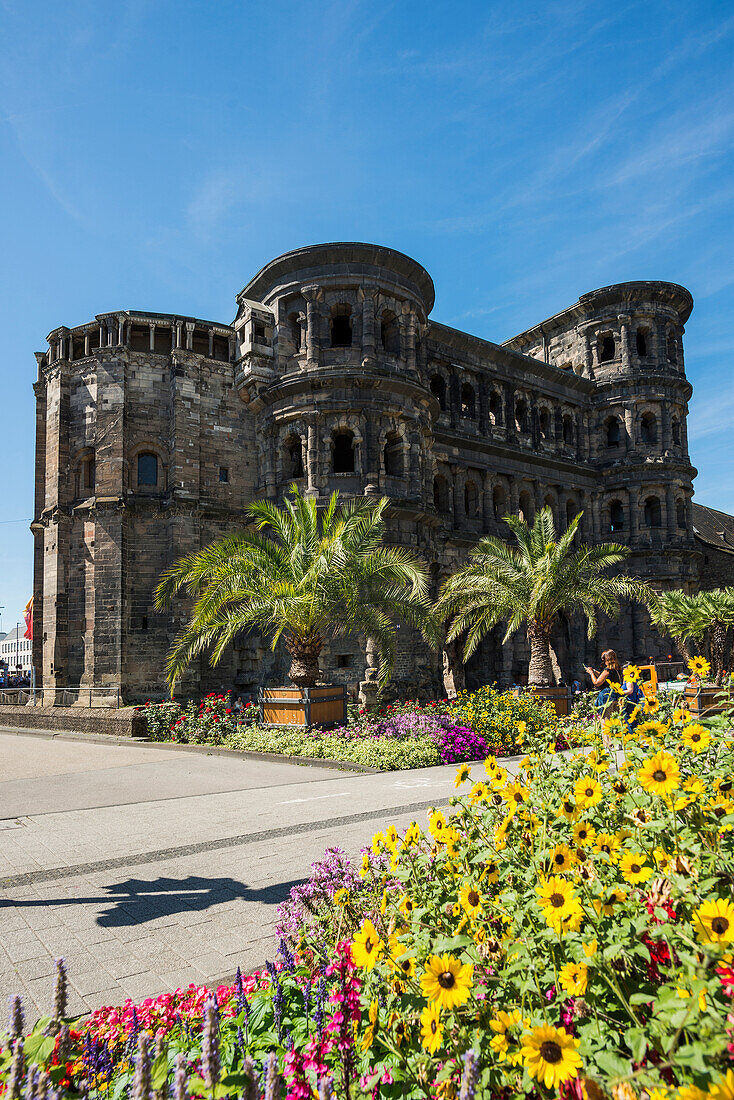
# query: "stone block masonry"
(155, 431)
(125, 722)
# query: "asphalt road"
(148, 868)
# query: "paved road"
(149, 868)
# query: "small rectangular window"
(144, 622)
(344, 660)
(223, 474)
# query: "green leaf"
(159, 1071)
(612, 1063)
(637, 1042)
(39, 1047)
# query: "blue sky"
(154, 155)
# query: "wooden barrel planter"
(325, 705)
(702, 702)
(558, 696)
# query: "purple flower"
(210, 1061)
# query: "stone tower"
(154, 432)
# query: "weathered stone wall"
(117, 723)
(333, 376)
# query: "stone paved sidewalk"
(165, 887)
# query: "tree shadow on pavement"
(138, 900)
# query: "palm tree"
(678, 614)
(705, 615)
(532, 583)
(301, 576)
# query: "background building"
(16, 650)
(154, 431)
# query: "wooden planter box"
(325, 705)
(702, 701)
(558, 696)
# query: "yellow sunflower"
(699, 666)
(723, 1089)
(631, 674)
(446, 981)
(590, 948)
(607, 905)
(574, 978)
(651, 728)
(614, 725)
(651, 705)
(462, 774)
(431, 1029)
(634, 868)
(515, 795)
(367, 946)
(696, 737)
(568, 809)
(659, 774)
(583, 833)
(406, 905)
(561, 859)
(491, 871)
(587, 791)
(471, 899)
(369, 1035)
(713, 922)
(681, 715)
(405, 965)
(500, 1042)
(412, 834)
(608, 845)
(551, 1056)
(437, 824)
(559, 904)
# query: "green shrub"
(495, 716)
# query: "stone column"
(151, 342)
(562, 499)
(624, 333)
(454, 396)
(509, 400)
(670, 521)
(407, 337)
(483, 406)
(634, 516)
(514, 495)
(87, 343)
(189, 335)
(596, 517)
(666, 434)
(312, 294)
(457, 480)
(369, 325)
(121, 331)
(312, 456)
(489, 524)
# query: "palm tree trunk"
(683, 649)
(540, 672)
(304, 671)
(718, 646)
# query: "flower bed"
(566, 932)
(406, 735)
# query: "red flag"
(28, 616)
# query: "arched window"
(468, 402)
(549, 502)
(343, 453)
(438, 389)
(147, 469)
(680, 514)
(571, 512)
(544, 422)
(390, 332)
(525, 510)
(293, 456)
(641, 343)
(614, 432)
(341, 326)
(672, 347)
(568, 429)
(675, 431)
(616, 516)
(521, 415)
(393, 454)
(499, 506)
(607, 348)
(648, 428)
(495, 407)
(440, 493)
(471, 499)
(653, 514)
(86, 476)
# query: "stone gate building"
(154, 431)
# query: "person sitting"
(608, 681)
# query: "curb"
(205, 750)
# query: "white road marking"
(315, 798)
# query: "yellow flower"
(499, 1042)
(365, 864)
(699, 666)
(478, 793)
(607, 905)
(634, 868)
(630, 674)
(713, 922)
(521, 727)
(587, 791)
(662, 858)
(471, 899)
(551, 1056)
(377, 841)
(405, 965)
(366, 946)
(557, 901)
(412, 834)
(614, 725)
(651, 705)
(574, 978)
(446, 981)
(659, 774)
(696, 737)
(406, 905)
(515, 795)
(369, 1034)
(651, 728)
(491, 871)
(583, 833)
(341, 896)
(431, 1029)
(561, 859)
(437, 824)
(568, 809)
(590, 948)
(723, 1089)
(608, 844)
(462, 774)
(680, 714)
